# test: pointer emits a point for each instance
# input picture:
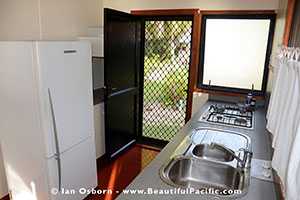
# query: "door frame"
(289, 21)
(194, 14)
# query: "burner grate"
(230, 115)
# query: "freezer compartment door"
(77, 170)
(66, 91)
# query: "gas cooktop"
(230, 115)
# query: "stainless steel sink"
(200, 173)
(198, 164)
(215, 152)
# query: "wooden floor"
(5, 198)
(117, 174)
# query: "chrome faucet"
(243, 163)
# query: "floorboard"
(118, 173)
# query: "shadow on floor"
(116, 175)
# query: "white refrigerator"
(46, 119)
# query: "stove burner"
(219, 117)
(228, 115)
(240, 121)
(217, 108)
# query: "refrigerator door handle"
(57, 154)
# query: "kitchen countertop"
(261, 146)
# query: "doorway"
(149, 75)
(167, 60)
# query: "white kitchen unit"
(96, 38)
(46, 119)
(99, 129)
(97, 45)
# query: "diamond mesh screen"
(166, 70)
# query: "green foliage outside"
(162, 131)
(167, 42)
(170, 89)
(161, 48)
(166, 75)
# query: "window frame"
(234, 15)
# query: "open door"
(122, 36)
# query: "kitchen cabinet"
(99, 129)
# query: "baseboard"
(151, 142)
(104, 159)
(153, 148)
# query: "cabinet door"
(99, 129)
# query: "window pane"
(235, 52)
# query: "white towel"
(293, 175)
(283, 102)
(297, 116)
(274, 100)
(275, 63)
(284, 123)
(293, 169)
(278, 99)
(285, 133)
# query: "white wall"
(64, 19)
(127, 5)
(19, 19)
(48, 19)
(199, 99)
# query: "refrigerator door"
(77, 171)
(66, 93)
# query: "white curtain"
(284, 120)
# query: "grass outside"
(165, 81)
(165, 87)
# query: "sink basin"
(200, 173)
(214, 152)
(211, 158)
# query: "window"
(235, 51)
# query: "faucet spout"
(244, 162)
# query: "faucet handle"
(247, 157)
(246, 151)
